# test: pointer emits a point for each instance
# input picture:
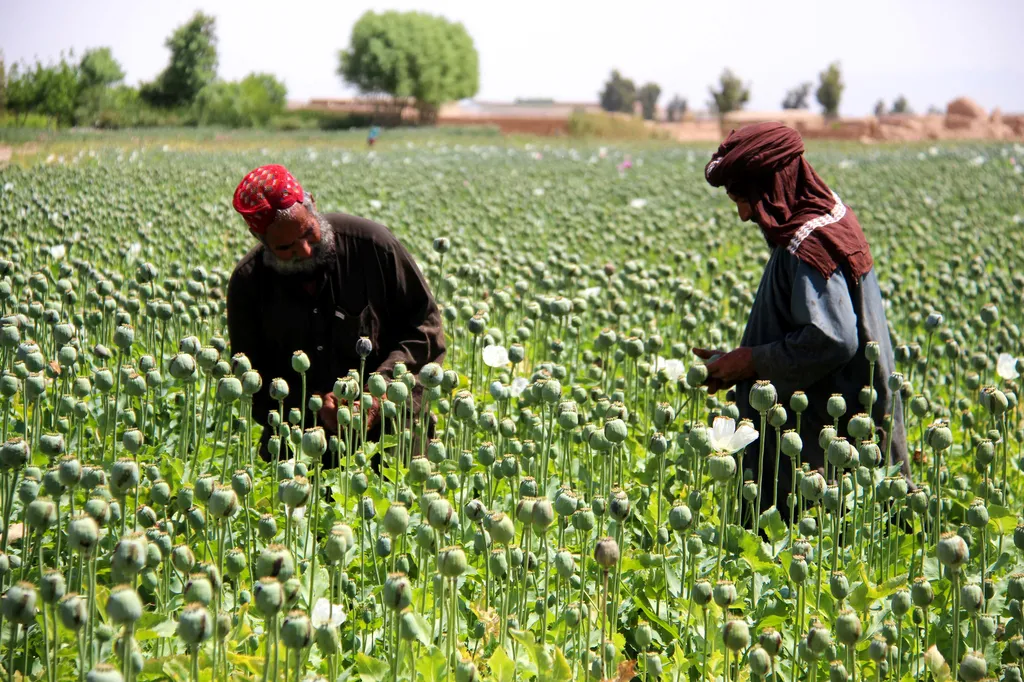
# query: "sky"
(931, 51)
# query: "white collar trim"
(833, 216)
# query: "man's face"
(742, 208)
(294, 239)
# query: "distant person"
(317, 283)
(817, 306)
(372, 137)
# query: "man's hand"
(725, 369)
(329, 413)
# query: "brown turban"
(795, 209)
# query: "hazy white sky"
(929, 50)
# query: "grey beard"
(323, 253)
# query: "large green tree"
(193, 64)
(676, 109)
(98, 68)
(648, 95)
(619, 93)
(3, 82)
(251, 102)
(797, 97)
(830, 89)
(900, 105)
(411, 55)
(731, 94)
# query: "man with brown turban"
(817, 308)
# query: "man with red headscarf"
(318, 283)
(817, 308)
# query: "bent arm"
(825, 337)
(244, 334)
(413, 333)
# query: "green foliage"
(251, 102)
(731, 95)
(797, 97)
(48, 90)
(3, 82)
(900, 106)
(830, 89)
(98, 68)
(610, 126)
(619, 94)
(411, 55)
(648, 95)
(192, 67)
(676, 109)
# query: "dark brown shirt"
(373, 288)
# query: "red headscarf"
(795, 209)
(263, 192)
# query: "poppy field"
(581, 510)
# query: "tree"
(830, 89)
(98, 68)
(676, 109)
(193, 63)
(619, 94)
(3, 82)
(797, 97)
(248, 103)
(22, 86)
(648, 95)
(731, 95)
(59, 86)
(404, 55)
(900, 106)
(880, 108)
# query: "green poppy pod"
(72, 611)
(397, 592)
(18, 604)
(973, 666)
(952, 551)
(615, 431)
(606, 552)
(278, 389)
(722, 468)
(41, 514)
(971, 598)
(124, 605)
(83, 534)
(839, 585)
(542, 515)
(275, 561)
(736, 635)
(199, 589)
(798, 569)
(451, 562)
(501, 528)
(762, 396)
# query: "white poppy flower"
(495, 356)
(726, 438)
(135, 249)
(638, 203)
(538, 191)
(375, 203)
(8, 186)
(519, 384)
(591, 292)
(324, 614)
(57, 251)
(673, 368)
(297, 514)
(1006, 367)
